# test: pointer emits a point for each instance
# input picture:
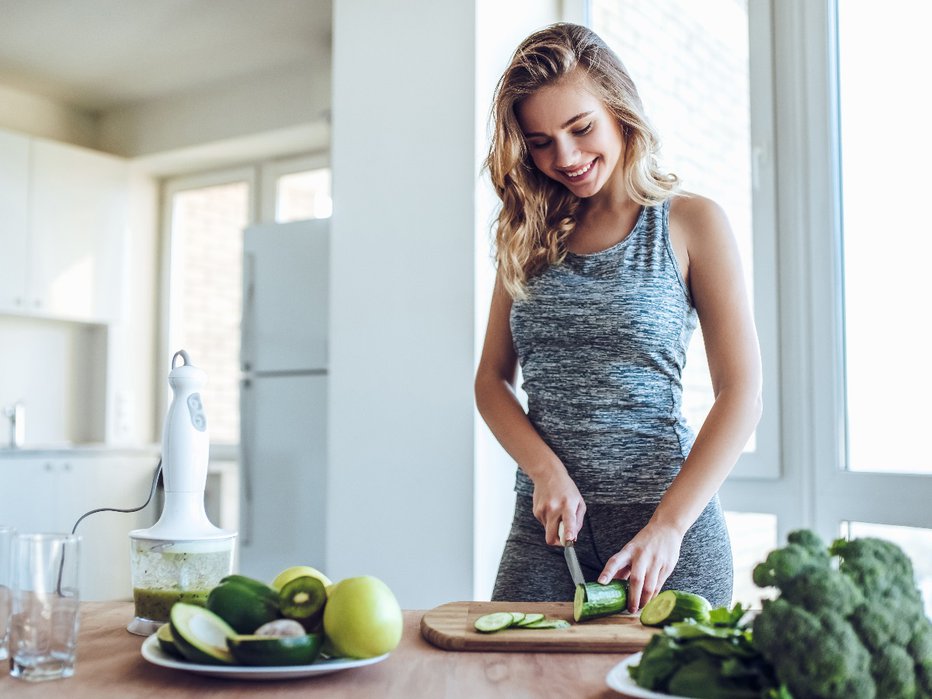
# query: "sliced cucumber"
(498, 621)
(547, 624)
(530, 619)
(595, 600)
(200, 635)
(673, 605)
(489, 623)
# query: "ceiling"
(103, 54)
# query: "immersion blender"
(183, 555)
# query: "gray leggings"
(532, 571)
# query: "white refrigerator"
(283, 394)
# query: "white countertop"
(65, 449)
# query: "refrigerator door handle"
(247, 339)
(245, 464)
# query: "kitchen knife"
(572, 562)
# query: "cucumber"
(498, 621)
(595, 600)
(517, 618)
(200, 635)
(673, 605)
(529, 619)
(494, 622)
(547, 624)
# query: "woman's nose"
(566, 152)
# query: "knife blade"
(572, 562)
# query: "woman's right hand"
(557, 499)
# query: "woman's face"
(571, 136)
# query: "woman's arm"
(556, 497)
(700, 229)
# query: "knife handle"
(563, 541)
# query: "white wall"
(402, 336)
(39, 116)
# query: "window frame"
(815, 489)
(271, 170)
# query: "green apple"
(293, 572)
(362, 618)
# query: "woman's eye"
(538, 144)
(584, 130)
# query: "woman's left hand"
(645, 562)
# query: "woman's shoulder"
(689, 210)
(694, 217)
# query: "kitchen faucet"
(16, 414)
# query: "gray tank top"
(601, 340)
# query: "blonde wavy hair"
(537, 214)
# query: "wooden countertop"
(109, 664)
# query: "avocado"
(276, 650)
(201, 635)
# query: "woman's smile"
(579, 173)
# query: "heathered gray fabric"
(531, 571)
(602, 341)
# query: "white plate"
(155, 655)
(619, 680)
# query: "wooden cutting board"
(450, 626)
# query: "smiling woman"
(604, 268)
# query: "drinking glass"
(6, 592)
(44, 629)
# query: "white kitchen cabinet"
(77, 224)
(48, 492)
(14, 219)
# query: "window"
(700, 101)
(753, 536)
(886, 252)
(205, 216)
(303, 195)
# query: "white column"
(401, 415)
(412, 84)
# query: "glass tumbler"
(6, 591)
(44, 628)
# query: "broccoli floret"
(816, 656)
(815, 589)
(920, 648)
(879, 567)
(810, 541)
(858, 630)
(786, 563)
(893, 671)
